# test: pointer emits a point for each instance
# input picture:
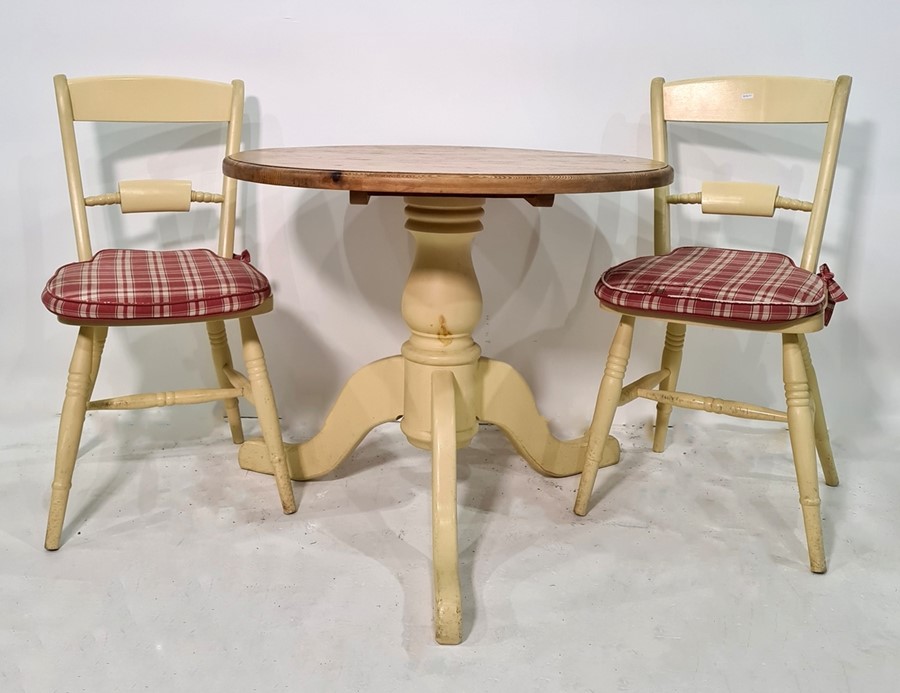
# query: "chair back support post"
(662, 242)
(827, 168)
(229, 185)
(73, 168)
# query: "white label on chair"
(747, 95)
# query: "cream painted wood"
(221, 356)
(441, 305)
(662, 242)
(150, 198)
(73, 167)
(168, 100)
(99, 342)
(749, 100)
(673, 348)
(264, 401)
(738, 207)
(150, 100)
(71, 423)
(764, 100)
(801, 429)
(228, 212)
(115, 198)
(713, 405)
(730, 197)
(170, 398)
(823, 440)
(507, 402)
(154, 196)
(374, 395)
(240, 382)
(445, 550)
(738, 100)
(441, 365)
(649, 381)
(440, 387)
(605, 409)
(371, 397)
(827, 168)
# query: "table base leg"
(445, 552)
(372, 396)
(507, 402)
(375, 395)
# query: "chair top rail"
(150, 99)
(751, 99)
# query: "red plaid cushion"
(122, 285)
(737, 285)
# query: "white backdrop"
(568, 75)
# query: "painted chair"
(724, 287)
(122, 287)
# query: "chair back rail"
(750, 100)
(748, 199)
(148, 100)
(153, 196)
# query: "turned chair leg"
(605, 409)
(671, 361)
(802, 432)
(71, 423)
(221, 356)
(823, 441)
(99, 341)
(264, 400)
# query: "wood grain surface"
(439, 170)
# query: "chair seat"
(120, 285)
(720, 283)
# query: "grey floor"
(179, 572)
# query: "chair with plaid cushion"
(723, 287)
(157, 287)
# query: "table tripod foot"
(372, 396)
(447, 598)
(507, 402)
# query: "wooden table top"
(437, 170)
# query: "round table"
(440, 387)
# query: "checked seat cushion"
(720, 283)
(118, 285)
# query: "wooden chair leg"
(823, 441)
(802, 432)
(221, 356)
(266, 410)
(671, 361)
(78, 387)
(605, 409)
(99, 342)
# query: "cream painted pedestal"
(440, 388)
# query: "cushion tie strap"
(245, 256)
(833, 289)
